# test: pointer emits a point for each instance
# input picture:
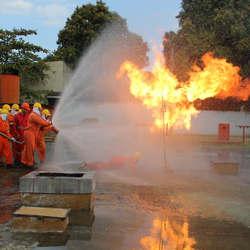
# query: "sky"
(148, 18)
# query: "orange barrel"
(9, 88)
(224, 131)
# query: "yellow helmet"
(6, 106)
(46, 112)
(15, 106)
(37, 105)
(4, 111)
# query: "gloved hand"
(13, 139)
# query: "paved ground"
(161, 209)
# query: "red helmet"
(25, 106)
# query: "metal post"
(164, 133)
(244, 134)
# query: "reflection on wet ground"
(9, 198)
(161, 211)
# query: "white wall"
(206, 122)
(58, 76)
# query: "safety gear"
(35, 123)
(46, 112)
(36, 110)
(4, 114)
(40, 142)
(37, 105)
(21, 121)
(4, 111)
(15, 107)
(4, 117)
(11, 120)
(14, 112)
(6, 106)
(25, 106)
(5, 145)
(13, 139)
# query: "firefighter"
(35, 122)
(5, 138)
(21, 121)
(41, 145)
(14, 109)
(13, 131)
(6, 107)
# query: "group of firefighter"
(22, 132)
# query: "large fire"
(218, 78)
(166, 235)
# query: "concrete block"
(226, 168)
(39, 225)
(81, 218)
(26, 184)
(51, 239)
(58, 183)
(70, 185)
(80, 233)
(73, 201)
(46, 185)
(40, 220)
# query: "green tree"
(222, 27)
(84, 26)
(16, 54)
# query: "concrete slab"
(42, 212)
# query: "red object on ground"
(9, 88)
(5, 144)
(115, 162)
(35, 122)
(224, 131)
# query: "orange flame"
(166, 235)
(218, 78)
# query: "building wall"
(58, 76)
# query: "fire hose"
(10, 139)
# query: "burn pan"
(54, 174)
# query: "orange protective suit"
(21, 122)
(40, 143)
(5, 144)
(14, 133)
(35, 122)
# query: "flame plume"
(218, 78)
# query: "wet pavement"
(176, 208)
